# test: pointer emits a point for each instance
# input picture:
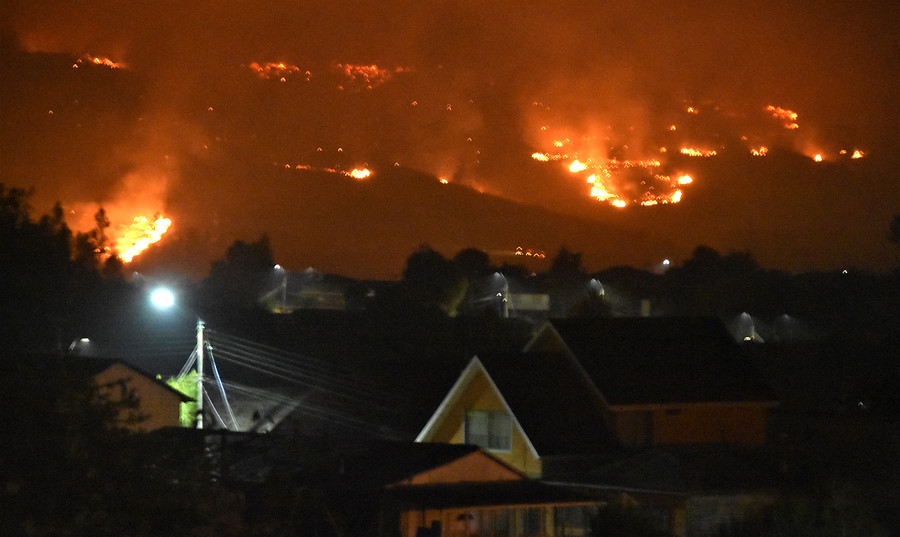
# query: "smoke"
(481, 87)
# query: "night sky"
(468, 116)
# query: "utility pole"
(199, 373)
(505, 299)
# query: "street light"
(279, 268)
(164, 298)
(503, 294)
(74, 346)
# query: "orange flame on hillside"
(97, 60)
(277, 71)
(140, 234)
(691, 152)
(788, 116)
(360, 173)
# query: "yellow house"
(475, 412)
(157, 405)
(533, 407)
(652, 409)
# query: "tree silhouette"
(238, 281)
(433, 280)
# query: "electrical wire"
(212, 361)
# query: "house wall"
(707, 515)
(538, 520)
(157, 406)
(480, 395)
(740, 424)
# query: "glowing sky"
(210, 103)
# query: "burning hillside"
(575, 110)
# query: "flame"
(528, 252)
(577, 167)
(97, 60)
(136, 237)
(691, 152)
(277, 71)
(360, 173)
(610, 157)
(368, 76)
(789, 117)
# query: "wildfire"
(360, 173)
(691, 152)
(528, 252)
(606, 159)
(368, 76)
(277, 71)
(140, 234)
(577, 167)
(97, 60)
(789, 117)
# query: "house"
(157, 405)
(666, 381)
(664, 410)
(376, 487)
(515, 411)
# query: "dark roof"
(488, 494)
(95, 366)
(658, 360)
(82, 367)
(552, 400)
(690, 468)
(328, 462)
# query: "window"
(573, 521)
(490, 430)
(529, 522)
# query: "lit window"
(490, 430)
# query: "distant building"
(157, 404)
(307, 290)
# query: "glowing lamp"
(162, 298)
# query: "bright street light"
(162, 298)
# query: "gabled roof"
(351, 464)
(549, 398)
(682, 471)
(555, 403)
(95, 366)
(657, 360)
(469, 374)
